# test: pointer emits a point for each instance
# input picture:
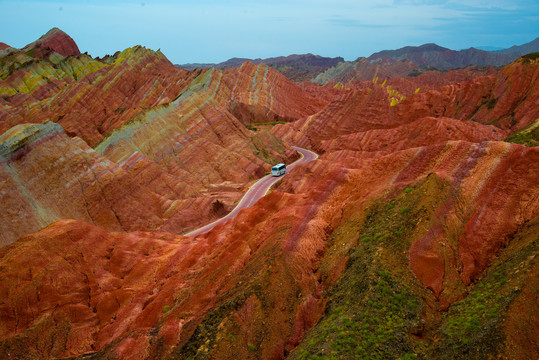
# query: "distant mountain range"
(434, 56)
(294, 67)
(527, 48)
(427, 56)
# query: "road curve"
(256, 191)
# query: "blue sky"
(216, 30)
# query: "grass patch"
(491, 103)
(376, 306)
(528, 136)
(528, 58)
(166, 308)
(474, 327)
(372, 309)
(254, 126)
(374, 328)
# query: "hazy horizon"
(213, 31)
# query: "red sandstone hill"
(200, 139)
(397, 75)
(413, 235)
(55, 40)
(504, 99)
(173, 140)
(92, 97)
(365, 70)
(88, 97)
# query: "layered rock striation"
(269, 275)
(201, 137)
(505, 99)
(48, 176)
(413, 235)
(54, 40)
(88, 97)
(177, 141)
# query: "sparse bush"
(491, 103)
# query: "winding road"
(257, 191)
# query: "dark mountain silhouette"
(295, 67)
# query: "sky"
(212, 31)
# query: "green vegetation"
(528, 136)
(367, 239)
(528, 58)
(473, 328)
(415, 73)
(251, 347)
(471, 314)
(254, 126)
(372, 329)
(408, 190)
(409, 357)
(166, 308)
(374, 308)
(491, 103)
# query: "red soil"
(55, 40)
